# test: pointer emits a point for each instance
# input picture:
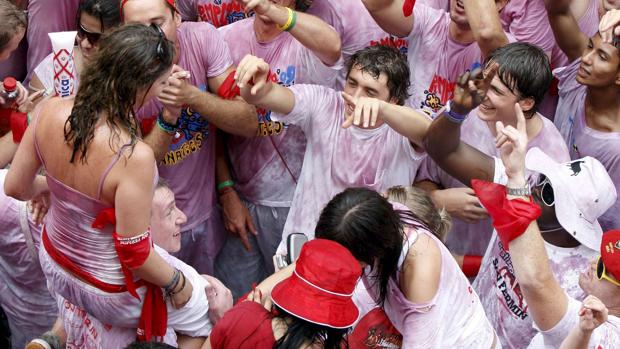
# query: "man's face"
(499, 104)
(604, 290)
(156, 12)
(457, 11)
(362, 84)
(600, 64)
(12, 45)
(166, 221)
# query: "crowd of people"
(310, 174)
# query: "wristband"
(408, 7)
(169, 287)
(166, 126)
(523, 191)
(290, 23)
(225, 184)
(471, 265)
(452, 115)
(510, 217)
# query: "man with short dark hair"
(377, 152)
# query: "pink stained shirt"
(217, 12)
(583, 140)
(356, 27)
(338, 158)
(261, 164)
(435, 59)
(454, 318)
(466, 238)
(189, 164)
(45, 16)
(606, 336)
(501, 294)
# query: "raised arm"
(483, 18)
(309, 30)
(565, 28)
(252, 78)
(389, 16)
(443, 138)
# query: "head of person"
(572, 196)
(422, 209)
(457, 11)
(162, 13)
(297, 5)
(131, 67)
(93, 19)
(365, 223)
(316, 300)
(166, 219)
(600, 65)
(379, 72)
(523, 76)
(602, 279)
(13, 23)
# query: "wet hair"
(148, 345)
(422, 209)
(107, 11)
(299, 332)
(12, 19)
(303, 5)
(378, 59)
(129, 60)
(365, 223)
(525, 69)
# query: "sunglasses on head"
(159, 50)
(546, 190)
(601, 273)
(93, 38)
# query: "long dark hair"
(107, 11)
(129, 60)
(300, 332)
(366, 224)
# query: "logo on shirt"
(438, 94)
(391, 41)
(220, 14)
(508, 289)
(266, 126)
(192, 133)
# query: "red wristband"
(510, 217)
(471, 265)
(408, 7)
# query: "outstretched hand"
(365, 111)
(471, 89)
(252, 72)
(512, 144)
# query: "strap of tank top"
(412, 237)
(109, 168)
(35, 115)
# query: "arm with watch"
(443, 139)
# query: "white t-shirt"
(500, 292)
(338, 158)
(606, 336)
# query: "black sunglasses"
(159, 50)
(93, 38)
(546, 192)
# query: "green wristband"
(293, 22)
(225, 184)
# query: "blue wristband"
(452, 115)
(165, 126)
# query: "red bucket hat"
(321, 287)
(610, 252)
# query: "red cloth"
(229, 89)
(408, 7)
(510, 217)
(154, 316)
(19, 124)
(246, 325)
(471, 265)
(375, 331)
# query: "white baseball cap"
(583, 191)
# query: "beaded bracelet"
(166, 126)
(175, 280)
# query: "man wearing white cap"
(581, 192)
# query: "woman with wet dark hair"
(96, 246)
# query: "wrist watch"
(523, 191)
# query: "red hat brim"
(314, 305)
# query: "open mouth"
(176, 235)
(486, 108)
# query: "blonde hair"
(12, 20)
(422, 207)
